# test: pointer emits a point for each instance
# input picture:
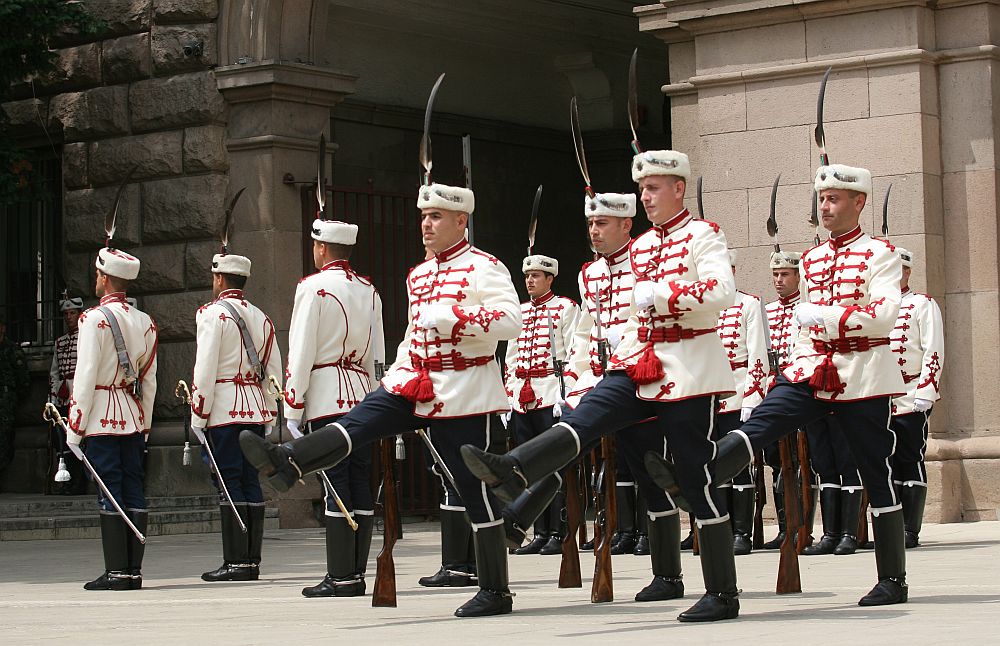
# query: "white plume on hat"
(785, 259)
(906, 256)
(660, 162)
(847, 178)
(538, 262)
(334, 232)
(449, 198)
(732, 257)
(117, 263)
(230, 263)
(612, 205)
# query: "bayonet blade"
(321, 177)
(111, 218)
(426, 160)
(533, 222)
(633, 102)
(581, 154)
(772, 220)
(820, 134)
(885, 213)
(814, 216)
(227, 222)
(701, 203)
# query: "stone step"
(87, 525)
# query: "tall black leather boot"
(718, 566)
(508, 475)
(913, 497)
(688, 542)
(363, 544)
(494, 597)
(890, 561)
(742, 516)
(641, 525)
(236, 564)
(529, 506)
(136, 550)
(665, 554)
(779, 510)
(456, 571)
(114, 543)
(255, 536)
(732, 456)
(286, 464)
(557, 525)
(850, 514)
(540, 536)
(341, 579)
(829, 507)
(625, 539)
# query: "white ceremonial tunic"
(225, 388)
(854, 278)
(103, 402)
(531, 379)
(741, 331)
(335, 338)
(783, 327)
(688, 262)
(473, 292)
(610, 279)
(917, 342)
(62, 368)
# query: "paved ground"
(953, 581)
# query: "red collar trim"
(117, 297)
(337, 264)
(619, 255)
(791, 298)
(843, 240)
(231, 293)
(454, 251)
(906, 291)
(675, 222)
(544, 298)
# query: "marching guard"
(445, 378)
(236, 351)
(533, 385)
(742, 333)
(111, 409)
(61, 387)
(918, 342)
(841, 365)
(670, 365)
(334, 343)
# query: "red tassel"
(527, 394)
(826, 378)
(419, 389)
(648, 369)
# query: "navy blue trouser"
(908, 462)
(634, 442)
(382, 414)
(530, 424)
(118, 460)
(865, 424)
(687, 426)
(830, 453)
(351, 477)
(725, 422)
(239, 475)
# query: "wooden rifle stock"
(602, 590)
(863, 519)
(805, 482)
(788, 564)
(384, 593)
(760, 499)
(569, 569)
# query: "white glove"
(614, 338)
(268, 429)
(199, 432)
(557, 408)
(745, 413)
(808, 314)
(431, 316)
(293, 427)
(505, 419)
(921, 405)
(73, 438)
(642, 293)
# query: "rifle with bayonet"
(384, 593)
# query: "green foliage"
(27, 29)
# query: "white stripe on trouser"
(708, 474)
(888, 464)
(921, 467)
(451, 507)
(653, 515)
(663, 454)
(482, 485)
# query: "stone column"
(911, 97)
